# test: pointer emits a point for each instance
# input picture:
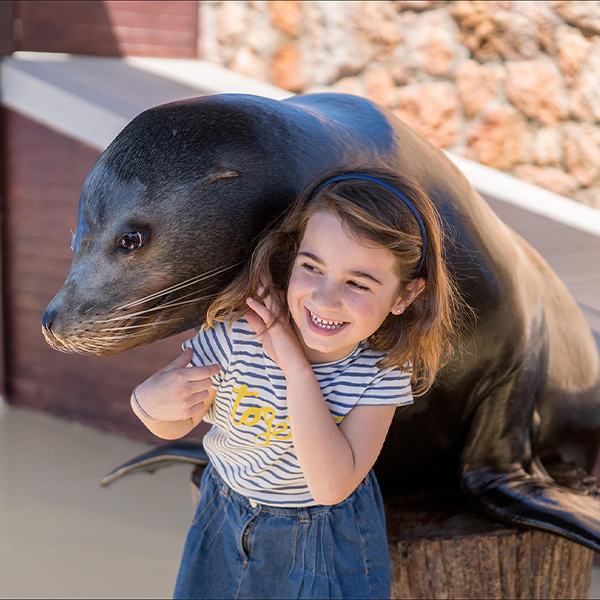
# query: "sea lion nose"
(48, 319)
(53, 321)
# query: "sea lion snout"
(105, 311)
(54, 324)
(79, 320)
(63, 320)
(48, 321)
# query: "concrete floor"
(63, 536)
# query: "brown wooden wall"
(43, 175)
(107, 27)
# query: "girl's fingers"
(203, 373)
(262, 311)
(256, 323)
(271, 304)
(196, 408)
(181, 361)
(198, 397)
(198, 387)
(273, 301)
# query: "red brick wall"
(107, 28)
(43, 175)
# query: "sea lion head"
(166, 218)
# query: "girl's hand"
(279, 341)
(177, 392)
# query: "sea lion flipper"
(502, 475)
(520, 498)
(162, 456)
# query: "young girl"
(299, 369)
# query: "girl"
(299, 369)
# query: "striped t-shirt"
(250, 443)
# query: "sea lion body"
(200, 179)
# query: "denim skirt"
(239, 549)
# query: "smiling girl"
(344, 307)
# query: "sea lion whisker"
(168, 305)
(178, 286)
(138, 326)
(172, 304)
(122, 317)
(180, 298)
(185, 296)
(115, 338)
(94, 343)
(83, 344)
(163, 292)
(175, 304)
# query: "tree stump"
(442, 549)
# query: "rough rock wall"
(513, 85)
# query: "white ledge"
(91, 99)
(214, 78)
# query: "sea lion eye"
(133, 240)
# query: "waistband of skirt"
(299, 511)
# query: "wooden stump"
(441, 549)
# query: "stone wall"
(513, 85)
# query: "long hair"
(423, 333)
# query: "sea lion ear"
(214, 174)
(220, 172)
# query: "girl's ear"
(413, 289)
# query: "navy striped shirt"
(250, 442)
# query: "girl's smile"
(324, 326)
(341, 289)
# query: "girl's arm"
(176, 396)
(334, 460)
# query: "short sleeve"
(390, 386)
(211, 346)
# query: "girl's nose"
(327, 297)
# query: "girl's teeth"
(324, 323)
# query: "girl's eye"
(310, 268)
(358, 286)
(133, 240)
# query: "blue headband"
(398, 193)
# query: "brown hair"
(423, 333)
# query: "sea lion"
(172, 208)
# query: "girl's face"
(340, 289)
